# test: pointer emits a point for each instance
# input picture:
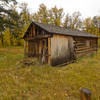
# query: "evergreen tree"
(4, 12)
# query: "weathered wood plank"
(86, 50)
(82, 48)
(49, 50)
(39, 37)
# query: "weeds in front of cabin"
(43, 82)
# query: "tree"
(67, 23)
(56, 16)
(4, 11)
(25, 20)
(25, 16)
(73, 21)
(76, 21)
(18, 23)
(88, 26)
(42, 15)
(96, 23)
(52, 16)
(7, 37)
(14, 24)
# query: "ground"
(43, 82)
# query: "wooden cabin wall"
(31, 44)
(35, 38)
(30, 48)
(85, 46)
(61, 49)
(34, 48)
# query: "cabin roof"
(52, 29)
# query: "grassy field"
(43, 82)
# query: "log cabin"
(58, 45)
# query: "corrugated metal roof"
(64, 31)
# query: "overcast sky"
(88, 8)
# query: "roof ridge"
(59, 26)
(54, 29)
(48, 24)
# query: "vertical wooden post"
(25, 48)
(49, 50)
(85, 94)
(40, 49)
(28, 48)
(33, 30)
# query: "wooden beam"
(25, 47)
(33, 30)
(49, 50)
(86, 50)
(39, 37)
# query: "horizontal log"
(78, 42)
(81, 43)
(85, 54)
(38, 37)
(78, 55)
(86, 50)
(84, 41)
(82, 48)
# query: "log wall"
(85, 46)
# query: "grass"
(43, 82)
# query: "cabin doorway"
(44, 51)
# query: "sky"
(87, 8)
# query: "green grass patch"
(43, 82)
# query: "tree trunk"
(2, 40)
